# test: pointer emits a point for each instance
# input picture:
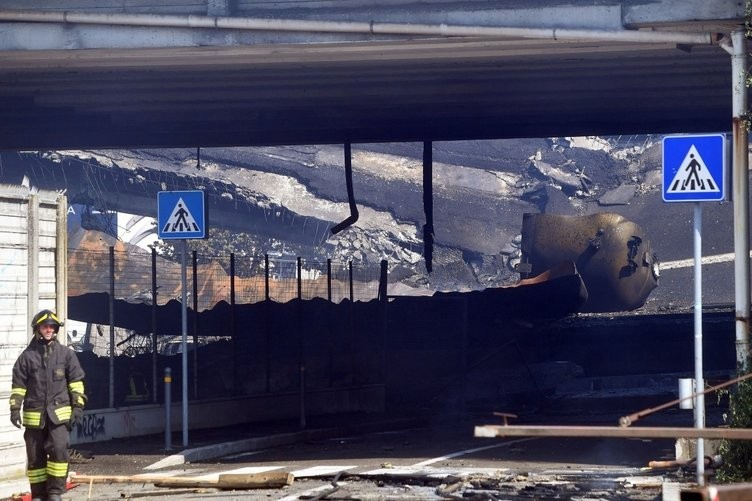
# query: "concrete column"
(61, 266)
(32, 236)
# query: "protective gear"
(76, 417)
(47, 385)
(48, 380)
(45, 317)
(15, 417)
(47, 458)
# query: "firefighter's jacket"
(49, 382)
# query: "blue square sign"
(180, 214)
(694, 168)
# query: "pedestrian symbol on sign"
(693, 176)
(181, 220)
(181, 214)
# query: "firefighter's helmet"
(45, 317)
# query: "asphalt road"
(440, 461)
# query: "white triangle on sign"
(181, 220)
(693, 176)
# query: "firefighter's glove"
(77, 415)
(15, 417)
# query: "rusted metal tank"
(612, 254)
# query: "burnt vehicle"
(612, 255)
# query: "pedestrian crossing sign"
(694, 168)
(180, 214)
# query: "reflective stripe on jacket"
(48, 381)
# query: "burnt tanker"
(612, 255)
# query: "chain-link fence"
(256, 320)
(134, 277)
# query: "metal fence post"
(300, 277)
(233, 332)
(168, 408)
(352, 291)
(383, 274)
(329, 320)
(154, 323)
(266, 277)
(329, 280)
(384, 301)
(112, 328)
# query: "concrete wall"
(106, 424)
(17, 299)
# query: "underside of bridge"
(305, 88)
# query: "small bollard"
(686, 390)
(168, 408)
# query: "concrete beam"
(578, 15)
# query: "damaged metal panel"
(612, 254)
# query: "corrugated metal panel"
(14, 292)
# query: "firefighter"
(49, 382)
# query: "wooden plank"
(255, 480)
(272, 479)
(117, 479)
(611, 432)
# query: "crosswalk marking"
(311, 472)
(247, 469)
(470, 451)
(320, 471)
(431, 472)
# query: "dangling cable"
(350, 196)
(428, 204)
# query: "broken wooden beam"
(272, 479)
(114, 479)
(611, 431)
(266, 480)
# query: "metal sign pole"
(694, 170)
(184, 318)
(740, 185)
(699, 382)
(182, 215)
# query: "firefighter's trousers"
(47, 456)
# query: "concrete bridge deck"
(120, 74)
